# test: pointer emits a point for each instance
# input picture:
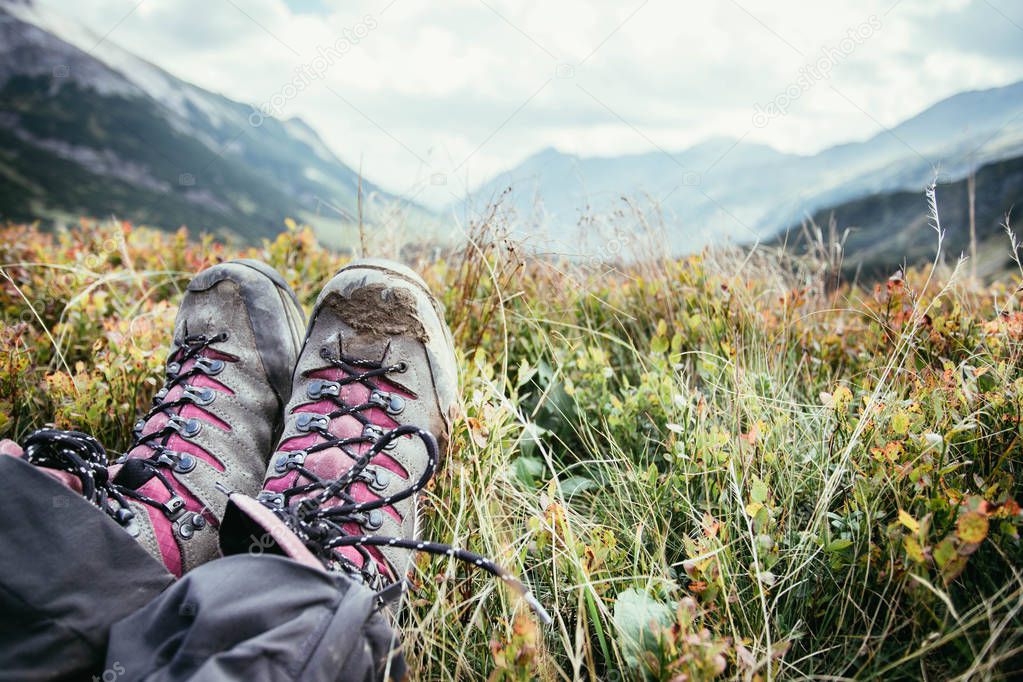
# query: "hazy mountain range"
(727, 188)
(88, 129)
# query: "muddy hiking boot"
(212, 425)
(366, 428)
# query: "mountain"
(729, 189)
(89, 129)
(554, 192)
(881, 231)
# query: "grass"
(709, 467)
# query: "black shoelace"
(84, 457)
(136, 471)
(318, 521)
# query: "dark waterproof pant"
(81, 600)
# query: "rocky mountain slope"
(880, 232)
(87, 129)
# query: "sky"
(430, 98)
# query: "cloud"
(471, 87)
(988, 29)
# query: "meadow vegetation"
(722, 466)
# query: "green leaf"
(900, 423)
(838, 545)
(972, 527)
(637, 617)
(908, 521)
(913, 549)
(577, 484)
(953, 568)
(676, 342)
(652, 474)
(527, 470)
(759, 491)
(944, 552)
(525, 374)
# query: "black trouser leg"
(67, 573)
(258, 617)
(80, 599)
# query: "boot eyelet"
(191, 428)
(200, 396)
(281, 463)
(311, 422)
(389, 402)
(124, 516)
(187, 428)
(271, 500)
(209, 367)
(395, 404)
(289, 460)
(374, 520)
(380, 479)
(374, 433)
(173, 507)
(173, 368)
(319, 388)
(189, 525)
(185, 464)
(402, 367)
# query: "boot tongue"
(376, 350)
(200, 323)
(362, 347)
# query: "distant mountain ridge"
(89, 129)
(733, 189)
(877, 233)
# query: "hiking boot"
(366, 428)
(369, 417)
(212, 425)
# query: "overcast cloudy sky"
(417, 91)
